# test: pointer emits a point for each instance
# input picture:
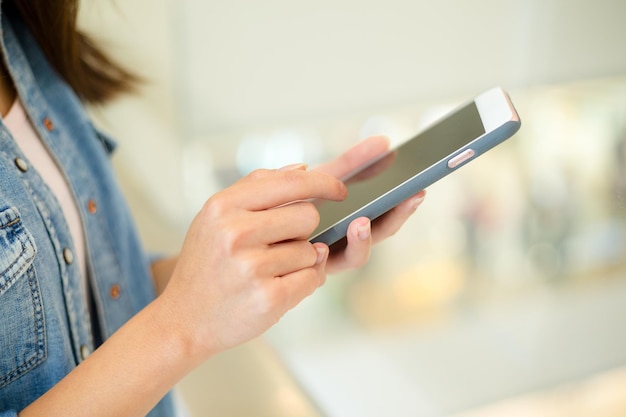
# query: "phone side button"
(460, 158)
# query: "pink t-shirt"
(27, 139)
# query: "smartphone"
(446, 145)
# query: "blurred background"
(504, 295)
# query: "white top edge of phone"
(447, 144)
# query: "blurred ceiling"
(248, 63)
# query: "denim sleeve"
(10, 413)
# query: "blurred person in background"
(89, 325)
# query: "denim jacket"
(45, 329)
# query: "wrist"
(174, 320)
(162, 270)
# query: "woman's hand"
(246, 259)
(361, 234)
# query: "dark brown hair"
(85, 67)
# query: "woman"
(82, 330)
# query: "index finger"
(356, 156)
(276, 188)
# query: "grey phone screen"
(409, 159)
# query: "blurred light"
(549, 188)
(420, 292)
(379, 125)
(277, 149)
(446, 238)
(290, 401)
(543, 260)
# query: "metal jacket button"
(68, 256)
(21, 164)
(84, 351)
(115, 291)
(47, 122)
(92, 207)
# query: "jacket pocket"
(22, 328)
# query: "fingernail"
(294, 167)
(364, 231)
(322, 252)
(417, 201)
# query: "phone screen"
(409, 159)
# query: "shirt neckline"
(15, 116)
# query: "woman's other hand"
(362, 233)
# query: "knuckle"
(310, 215)
(312, 282)
(252, 268)
(234, 238)
(322, 280)
(216, 206)
(312, 257)
(265, 301)
(294, 178)
(341, 189)
(258, 174)
(306, 252)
